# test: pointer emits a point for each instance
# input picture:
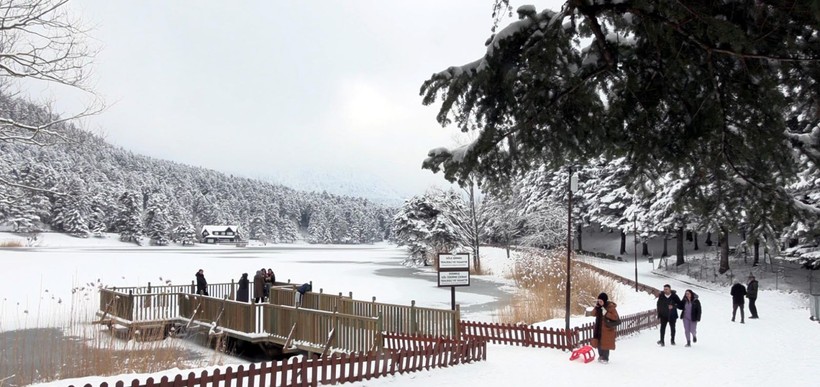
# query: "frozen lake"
(40, 283)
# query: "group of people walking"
(670, 308)
(668, 305)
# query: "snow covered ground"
(760, 352)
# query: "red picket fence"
(337, 368)
(515, 334)
(630, 324)
(531, 336)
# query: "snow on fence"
(532, 336)
(397, 318)
(515, 334)
(333, 369)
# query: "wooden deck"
(322, 323)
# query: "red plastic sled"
(586, 351)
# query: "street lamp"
(635, 247)
(573, 186)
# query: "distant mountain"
(340, 182)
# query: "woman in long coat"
(242, 293)
(258, 286)
(201, 283)
(603, 336)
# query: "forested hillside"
(83, 186)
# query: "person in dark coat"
(603, 337)
(201, 283)
(690, 314)
(668, 313)
(258, 286)
(300, 292)
(738, 292)
(244, 288)
(751, 294)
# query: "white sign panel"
(454, 261)
(454, 278)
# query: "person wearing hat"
(751, 294)
(603, 337)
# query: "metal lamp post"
(635, 225)
(573, 186)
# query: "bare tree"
(41, 43)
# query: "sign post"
(453, 270)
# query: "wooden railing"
(334, 369)
(115, 304)
(336, 330)
(238, 316)
(397, 318)
(219, 290)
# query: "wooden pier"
(320, 323)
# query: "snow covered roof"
(212, 228)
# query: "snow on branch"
(41, 42)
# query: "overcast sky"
(252, 87)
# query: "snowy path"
(767, 351)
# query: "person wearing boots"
(738, 292)
(603, 337)
(751, 294)
(690, 315)
(668, 313)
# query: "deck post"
(413, 325)
(379, 339)
(193, 287)
(147, 303)
(373, 308)
(457, 323)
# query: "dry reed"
(541, 279)
(11, 243)
(73, 347)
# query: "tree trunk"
(723, 239)
(665, 252)
(680, 260)
(579, 237)
(709, 239)
(623, 242)
(475, 242)
(695, 237)
(745, 250)
(757, 252)
(689, 236)
(645, 251)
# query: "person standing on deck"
(244, 285)
(201, 283)
(258, 286)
